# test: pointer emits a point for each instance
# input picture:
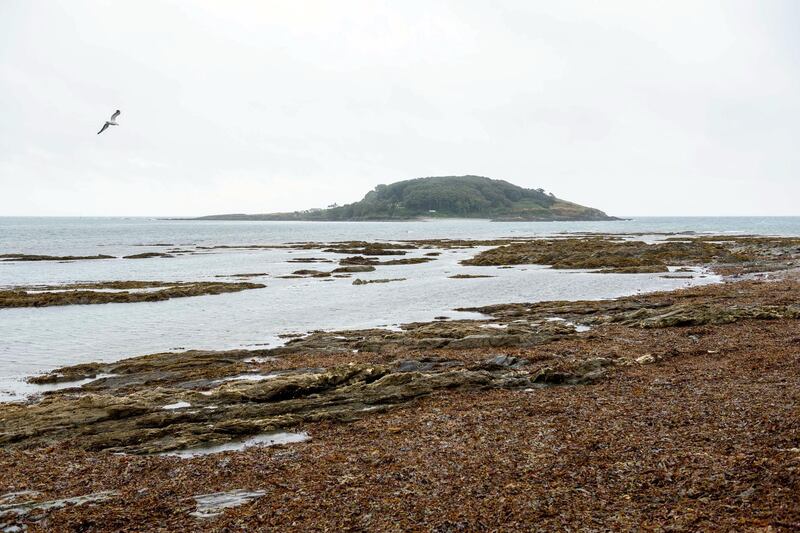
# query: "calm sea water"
(37, 340)
(61, 236)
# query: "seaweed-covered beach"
(669, 410)
(691, 427)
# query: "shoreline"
(657, 438)
(426, 282)
(678, 407)
(591, 253)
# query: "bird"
(110, 122)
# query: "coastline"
(696, 430)
(678, 407)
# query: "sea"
(36, 340)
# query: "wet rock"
(635, 269)
(94, 293)
(358, 260)
(73, 374)
(148, 255)
(243, 275)
(29, 257)
(214, 504)
(551, 376)
(368, 281)
(368, 261)
(698, 315)
(20, 509)
(611, 254)
(355, 268)
(591, 365)
(504, 361)
(592, 377)
(12, 497)
(369, 249)
(687, 308)
(309, 260)
(278, 438)
(406, 261)
(431, 343)
(485, 341)
(413, 366)
(226, 410)
(426, 365)
(311, 273)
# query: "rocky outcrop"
(381, 280)
(171, 401)
(32, 257)
(613, 254)
(691, 307)
(185, 413)
(354, 268)
(115, 292)
(310, 273)
(148, 255)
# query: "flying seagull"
(110, 122)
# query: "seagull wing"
(114, 116)
(103, 128)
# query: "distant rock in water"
(444, 197)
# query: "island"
(443, 197)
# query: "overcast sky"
(634, 107)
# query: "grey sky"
(634, 107)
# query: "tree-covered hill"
(444, 197)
